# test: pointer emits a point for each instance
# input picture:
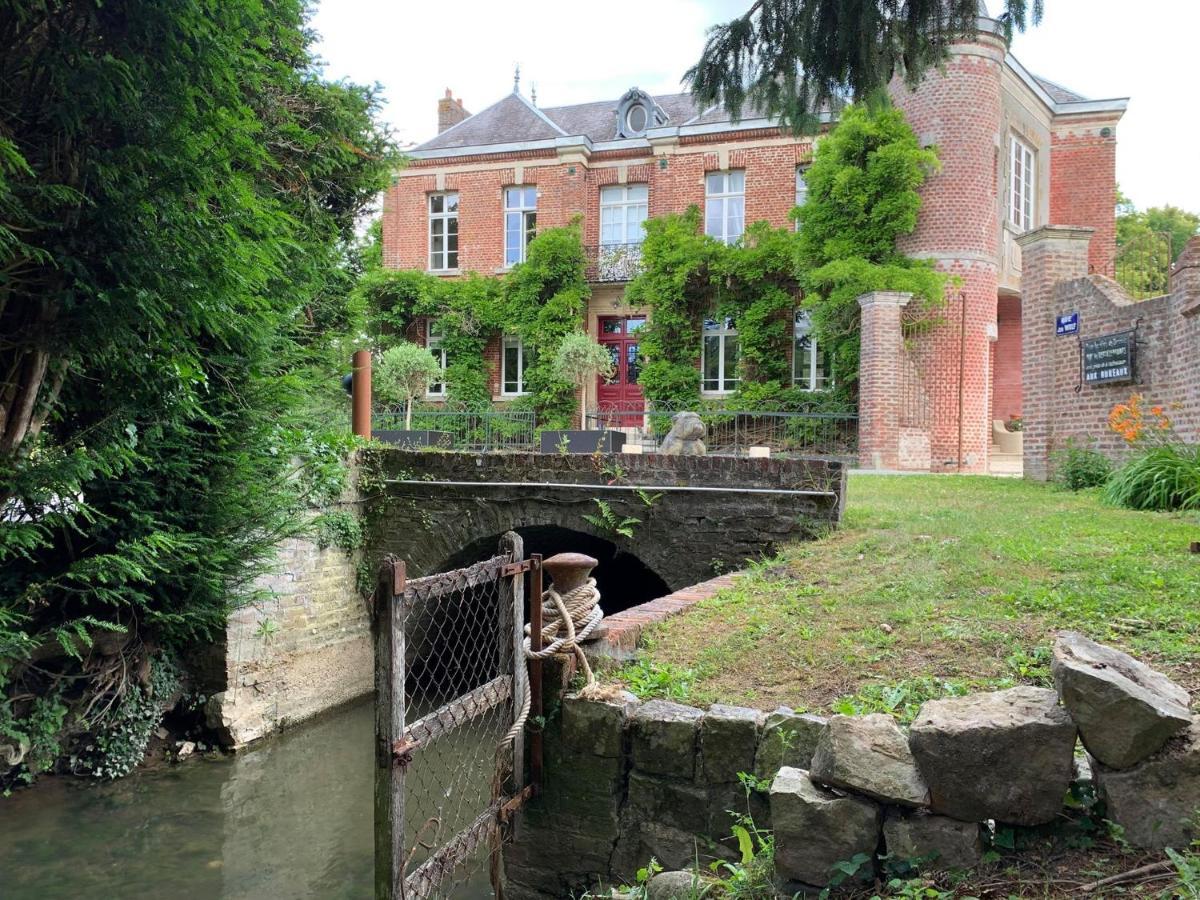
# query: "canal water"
(291, 818)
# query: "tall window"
(812, 370)
(520, 222)
(1022, 183)
(622, 212)
(443, 232)
(433, 341)
(514, 360)
(801, 189)
(719, 356)
(725, 205)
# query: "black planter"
(583, 441)
(414, 440)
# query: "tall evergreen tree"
(792, 58)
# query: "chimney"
(450, 111)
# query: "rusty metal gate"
(451, 688)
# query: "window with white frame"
(623, 209)
(812, 370)
(520, 222)
(515, 358)
(1021, 185)
(443, 232)
(725, 205)
(433, 342)
(719, 357)
(801, 188)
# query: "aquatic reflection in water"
(288, 819)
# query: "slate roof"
(1057, 92)
(515, 119)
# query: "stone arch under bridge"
(708, 514)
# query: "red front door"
(621, 395)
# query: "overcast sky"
(1099, 48)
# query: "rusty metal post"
(535, 672)
(360, 416)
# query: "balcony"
(613, 263)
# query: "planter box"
(583, 441)
(414, 440)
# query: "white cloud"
(1100, 48)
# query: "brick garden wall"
(1057, 406)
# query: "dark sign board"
(1068, 323)
(1108, 359)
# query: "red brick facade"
(964, 372)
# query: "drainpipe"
(360, 414)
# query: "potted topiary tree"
(403, 374)
(579, 360)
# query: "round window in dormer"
(636, 119)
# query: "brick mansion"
(1017, 152)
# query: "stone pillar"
(880, 358)
(1049, 255)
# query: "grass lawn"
(936, 585)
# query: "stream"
(289, 818)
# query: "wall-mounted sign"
(1108, 359)
(1068, 323)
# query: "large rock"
(816, 828)
(728, 739)
(788, 739)
(686, 437)
(942, 842)
(680, 885)
(664, 738)
(870, 755)
(1156, 801)
(1006, 755)
(1124, 710)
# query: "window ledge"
(442, 271)
(704, 393)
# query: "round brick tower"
(959, 111)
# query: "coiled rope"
(567, 620)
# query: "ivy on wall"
(542, 300)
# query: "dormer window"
(637, 113)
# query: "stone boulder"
(788, 739)
(664, 738)
(1006, 755)
(1156, 801)
(947, 843)
(1125, 711)
(686, 437)
(869, 755)
(675, 885)
(816, 828)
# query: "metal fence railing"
(734, 432)
(451, 429)
(1143, 264)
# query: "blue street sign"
(1067, 324)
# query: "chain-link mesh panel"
(458, 709)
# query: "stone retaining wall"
(626, 781)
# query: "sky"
(416, 49)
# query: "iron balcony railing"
(614, 262)
(489, 430)
(734, 432)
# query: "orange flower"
(1156, 410)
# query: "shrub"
(405, 373)
(580, 359)
(1077, 467)
(1165, 477)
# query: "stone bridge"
(698, 515)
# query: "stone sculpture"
(686, 437)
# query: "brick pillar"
(1185, 278)
(1049, 255)
(1083, 180)
(882, 351)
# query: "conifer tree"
(789, 59)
